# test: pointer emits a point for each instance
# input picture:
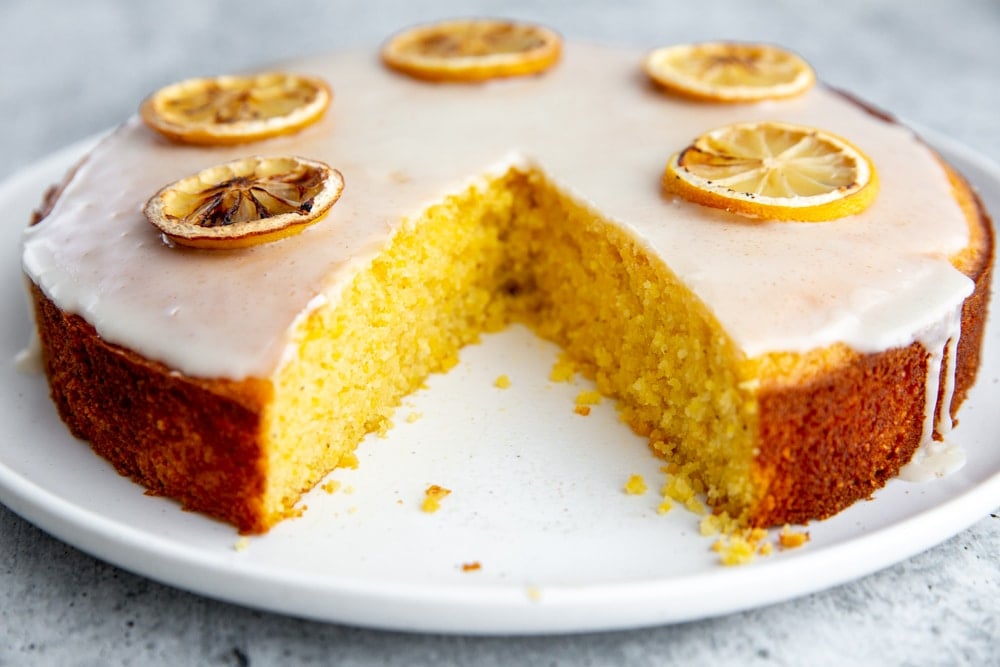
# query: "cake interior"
(513, 248)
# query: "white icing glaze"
(593, 124)
(937, 456)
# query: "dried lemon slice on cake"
(472, 50)
(773, 170)
(235, 109)
(729, 71)
(245, 202)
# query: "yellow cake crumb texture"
(738, 545)
(516, 249)
(502, 382)
(331, 486)
(474, 566)
(432, 498)
(582, 410)
(635, 486)
(563, 370)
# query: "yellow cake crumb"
(737, 551)
(432, 498)
(413, 416)
(792, 539)
(384, 426)
(348, 489)
(739, 546)
(695, 505)
(664, 507)
(331, 486)
(635, 486)
(472, 567)
(563, 370)
(719, 524)
(242, 544)
(588, 398)
(582, 410)
(348, 460)
(502, 382)
(678, 488)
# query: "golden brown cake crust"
(196, 441)
(840, 436)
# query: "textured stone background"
(70, 69)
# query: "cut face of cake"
(788, 368)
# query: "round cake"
(789, 369)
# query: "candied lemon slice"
(235, 109)
(245, 202)
(729, 71)
(772, 170)
(472, 50)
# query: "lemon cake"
(789, 368)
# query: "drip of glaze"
(937, 456)
(29, 360)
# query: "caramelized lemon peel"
(774, 171)
(245, 202)
(468, 50)
(731, 72)
(235, 109)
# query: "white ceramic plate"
(536, 499)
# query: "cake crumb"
(741, 546)
(792, 539)
(348, 490)
(432, 498)
(695, 505)
(563, 370)
(590, 397)
(348, 460)
(664, 507)
(582, 410)
(413, 416)
(474, 566)
(635, 486)
(502, 382)
(736, 550)
(242, 544)
(331, 486)
(384, 426)
(534, 593)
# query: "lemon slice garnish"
(775, 171)
(729, 71)
(472, 50)
(245, 202)
(235, 109)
